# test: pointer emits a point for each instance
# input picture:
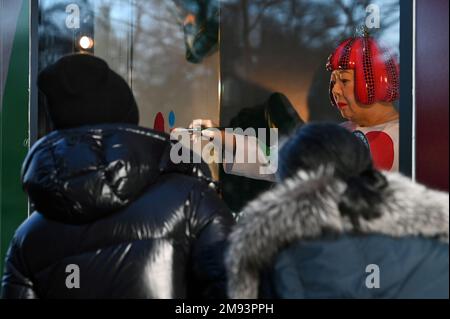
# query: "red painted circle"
(382, 148)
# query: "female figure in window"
(364, 86)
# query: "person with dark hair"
(336, 227)
(114, 216)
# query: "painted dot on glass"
(172, 119)
(159, 123)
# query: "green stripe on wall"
(13, 135)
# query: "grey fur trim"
(306, 206)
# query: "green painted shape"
(13, 134)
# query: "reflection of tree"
(247, 25)
(144, 40)
(354, 13)
(55, 39)
(141, 40)
(151, 34)
(308, 23)
(280, 44)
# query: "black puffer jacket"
(111, 202)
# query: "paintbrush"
(199, 129)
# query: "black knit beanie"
(81, 90)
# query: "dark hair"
(322, 145)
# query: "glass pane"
(270, 69)
(147, 43)
(282, 46)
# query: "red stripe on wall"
(432, 93)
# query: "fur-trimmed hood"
(306, 207)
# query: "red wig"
(377, 75)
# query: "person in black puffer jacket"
(115, 218)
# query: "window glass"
(166, 50)
(273, 58)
